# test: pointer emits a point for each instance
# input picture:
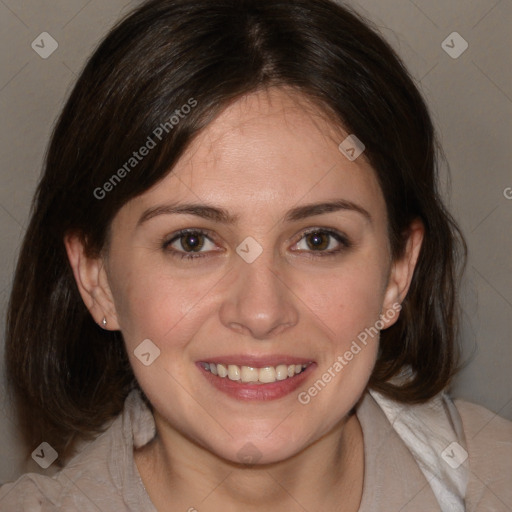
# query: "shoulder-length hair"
(68, 375)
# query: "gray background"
(471, 103)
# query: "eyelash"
(341, 239)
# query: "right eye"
(189, 244)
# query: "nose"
(259, 302)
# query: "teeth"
(222, 371)
(233, 372)
(248, 374)
(267, 374)
(257, 375)
(281, 372)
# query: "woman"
(238, 286)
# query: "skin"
(267, 153)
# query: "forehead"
(269, 150)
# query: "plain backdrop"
(470, 98)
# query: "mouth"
(251, 374)
(257, 379)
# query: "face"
(263, 253)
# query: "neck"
(327, 475)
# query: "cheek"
(348, 299)
(151, 302)
(347, 305)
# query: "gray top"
(103, 475)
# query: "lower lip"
(257, 392)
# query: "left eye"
(322, 241)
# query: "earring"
(104, 322)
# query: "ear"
(401, 274)
(91, 279)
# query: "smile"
(258, 378)
(255, 375)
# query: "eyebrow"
(199, 210)
(309, 210)
(221, 215)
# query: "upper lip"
(256, 361)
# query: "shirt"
(103, 476)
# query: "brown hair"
(69, 376)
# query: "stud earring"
(104, 322)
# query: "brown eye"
(189, 244)
(192, 242)
(323, 242)
(318, 241)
